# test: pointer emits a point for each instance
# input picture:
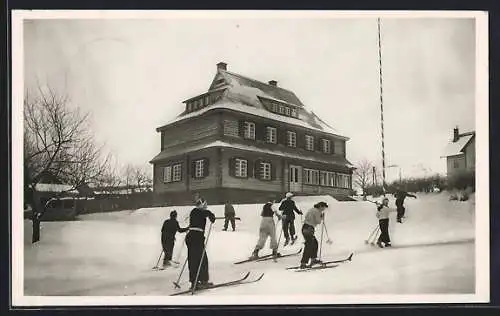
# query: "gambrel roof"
(245, 95)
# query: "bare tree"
(363, 175)
(142, 177)
(58, 141)
(128, 180)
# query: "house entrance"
(295, 178)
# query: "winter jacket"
(268, 210)
(288, 207)
(170, 228)
(400, 197)
(229, 210)
(384, 211)
(313, 217)
(198, 218)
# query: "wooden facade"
(228, 153)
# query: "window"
(189, 107)
(176, 172)
(249, 130)
(240, 168)
(339, 147)
(309, 142)
(207, 100)
(331, 179)
(323, 178)
(294, 113)
(455, 164)
(311, 176)
(326, 145)
(291, 139)
(199, 167)
(271, 133)
(167, 174)
(282, 109)
(287, 111)
(265, 170)
(274, 107)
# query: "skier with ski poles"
(267, 229)
(195, 241)
(313, 218)
(168, 230)
(400, 196)
(288, 208)
(383, 211)
(229, 216)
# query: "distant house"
(460, 153)
(246, 140)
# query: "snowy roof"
(261, 113)
(242, 94)
(455, 148)
(171, 153)
(52, 187)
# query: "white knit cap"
(289, 195)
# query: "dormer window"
(203, 100)
(309, 142)
(287, 111)
(282, 109)
(294, 113)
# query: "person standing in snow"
(400, 196)
(168, 230)
(288, 208)
(267, 229)
(195, 241)
(229, 216)
(383, 211)
(313, 218)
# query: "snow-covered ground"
(113, 253)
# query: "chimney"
(273, 83)
(221, 66)
(455, 134)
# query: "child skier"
(195, 241)
(383, 211)
(288, 207)
(168, 230)
(400, 199)
(267, 229)
(313, 218)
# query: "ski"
(250, 260)
(327, 262)
(317, 267)
(236, 218)
(229, 283)
(282, 256)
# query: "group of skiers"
(195, 239)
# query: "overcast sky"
(132, 75)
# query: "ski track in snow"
(113, 253)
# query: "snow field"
(113, 253)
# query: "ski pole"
(176, 284)
(158, 262)
(321, 238)
(371, 234)
(328, 240)
(201, 260)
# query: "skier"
(313, 218)
(400, 196)
(36, 218)
(195, 241)
(383, 211)
(288, 207)
(168, 230)
(267, 229)
(229, 216)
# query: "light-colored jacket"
(384, 211)
(313, 217)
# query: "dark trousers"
(36, 230)
(311, 244)
(168, 247)
(227, 219)
(384, 231)
(195, 242)
(401, 212)
(288, 227)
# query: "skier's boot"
(255, 254)
(379, 243)
(303, 265)
(293, 240)
(204, 284)
(276, 254)
(286, 242)
(315, 261)
(388, 244)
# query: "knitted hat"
(289, 195)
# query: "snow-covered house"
(460, 153)
(244, 140)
